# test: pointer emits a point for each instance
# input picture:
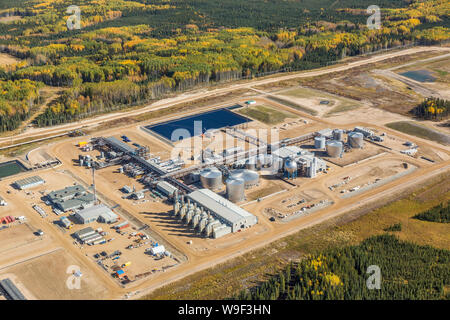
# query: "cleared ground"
(415, 129)
(266, 114)
(46, 277)
(6, 60)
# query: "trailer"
(122, 225)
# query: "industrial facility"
(211, 214)
(71, 198)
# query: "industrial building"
(223, 210)
(10, 290)
(71, 198)
(99, 213)
(88, 236)
(120, 146)
(28, 182)
(366, 132)
(166, 188)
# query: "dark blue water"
(11, 168)
(419, 75)
(195, 125)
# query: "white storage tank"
(319, 142)
(251, 178)
(235, 189)
(338, 134)
(250, 164)
(211, 178)
(355, 139)
(334, 148)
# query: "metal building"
(99, 212)
(30, 182)
(223, 210)
(166, 188)
(71, 198)
(366, 132)
(235, 189)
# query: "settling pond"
(419, 75)
(198, 124)
(11, 168)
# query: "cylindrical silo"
(260, 161)
(250, 164)
(338, 134)
(319, 142)
(334, 148)
(211, 178)
(355, 139)
(251, 178)
(235, 189)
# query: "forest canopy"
(142, 51)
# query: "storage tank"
(290, 168)
(319, 142)
(260, 161)
(235, 189)
(250, 164)
(338, 134)
(211, 178)
(334, 148)
(355, 139)
(251, 178)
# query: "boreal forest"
(129, 52)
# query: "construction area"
(136, 207)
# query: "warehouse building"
(99, 213)
(28, 182)
(71, 198)
(223, 210)
(88, 236)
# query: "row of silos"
(199, 219)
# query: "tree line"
(408, 272)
